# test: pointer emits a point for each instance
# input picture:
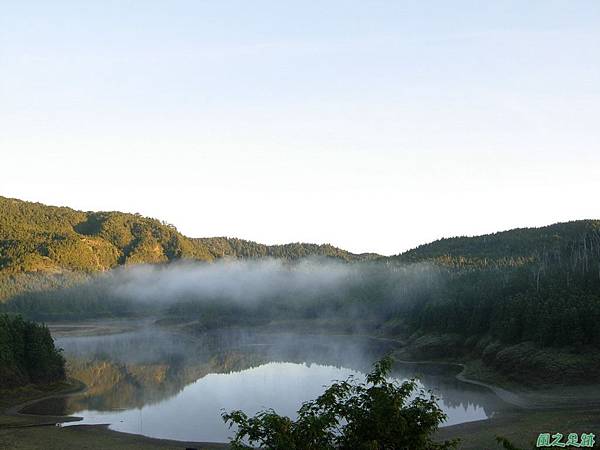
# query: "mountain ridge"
(508, 298)
(517, 246)
(58, 241)
(52, 240)
(133, 238)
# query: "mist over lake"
(164, 384)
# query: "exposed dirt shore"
(34, 432)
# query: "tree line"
(27, 354)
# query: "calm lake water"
(168, 385)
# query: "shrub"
(377, 414)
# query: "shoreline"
(34, 431)
(76, 387)
(42, 426)
(511, 392)
(549, 397)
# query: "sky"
(375, 126)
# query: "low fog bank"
(151, 344)
(243, 282)
(238, 292)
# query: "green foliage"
(80, 302)
(513, 248)
(239, 248)
(27, 354)
(540, 285)
(375, 415)
(513, 305)
(40, 238)
(47, 240)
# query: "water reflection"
(171, 385)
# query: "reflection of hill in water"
(455, 393)
(131, 370)
(113, 385)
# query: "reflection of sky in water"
(186, 401)
(195, 412)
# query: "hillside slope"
(240, 248)
(46, 246)
(526, 301)
(575, 243)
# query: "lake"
(172, 385)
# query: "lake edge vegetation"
(28, 354)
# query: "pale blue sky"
(372, 125)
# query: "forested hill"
(240, 248)
(573, 242)
(37, 238)
(40, 239)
